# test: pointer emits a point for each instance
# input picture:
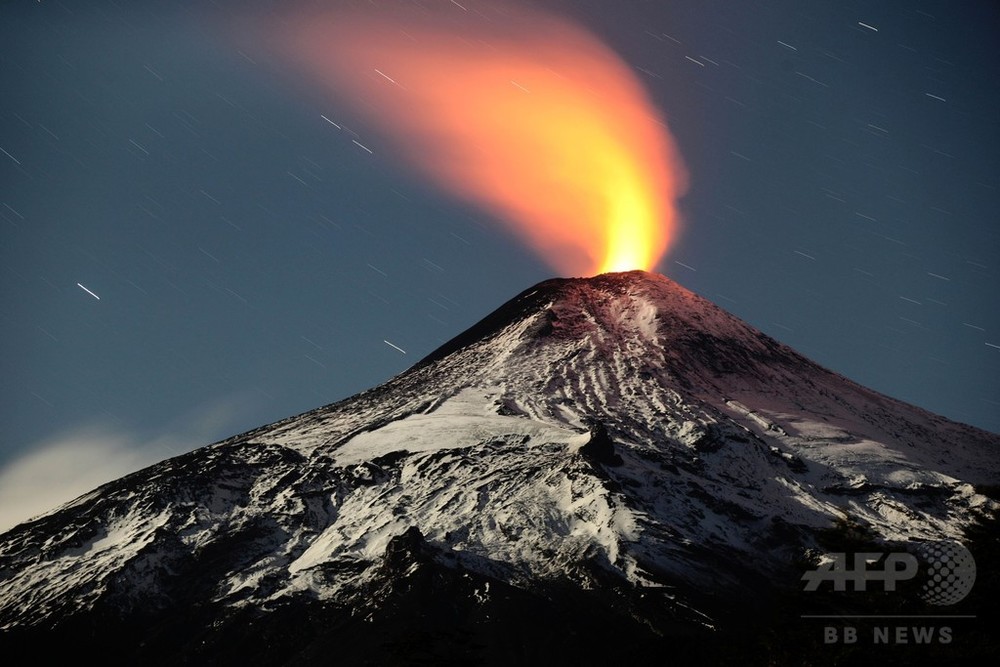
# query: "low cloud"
(66, 465)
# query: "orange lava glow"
(521, 113)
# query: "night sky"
(190, 249)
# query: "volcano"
(601, 469)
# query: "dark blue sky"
(251, 261)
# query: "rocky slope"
(609, 455)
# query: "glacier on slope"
(614, 429)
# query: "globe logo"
(950, 570)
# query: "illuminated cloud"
(62, 467)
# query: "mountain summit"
(598, 468)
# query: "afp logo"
(951, 572)
(947, 568)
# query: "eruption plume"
(522, 113)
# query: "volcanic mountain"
(600, 469)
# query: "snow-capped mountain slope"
(613, 433)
